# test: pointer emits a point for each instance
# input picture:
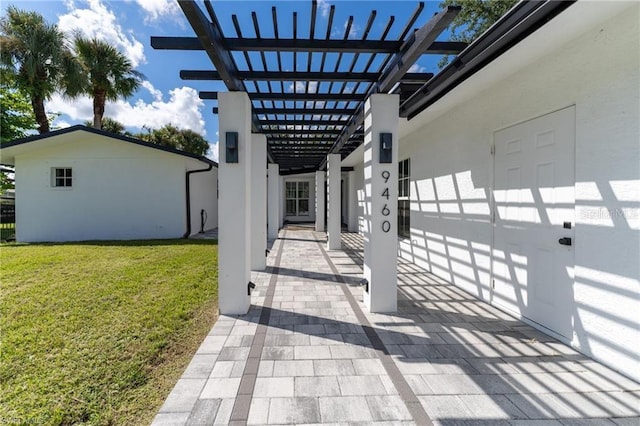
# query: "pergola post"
(273, 201)
(381, 202)
(258, 202)
(353, 202)
(234, 218)
(320, 201)
(334, 176)
(281, 209)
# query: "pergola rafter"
(313, 105)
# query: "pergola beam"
(396, 72)
(415, 47)
(304, 132)
(254, 96)
(320, 123)
(210, 36)
(324, 141)
(298, 76)
(305, 45)
(303, 111)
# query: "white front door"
(534, 209)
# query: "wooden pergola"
(317, 108)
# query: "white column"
(258, 206)
(281, 200)
(234, 219)
(381, 204)
(352, 199)
(273, 201)
(320, 201)
(333, 208)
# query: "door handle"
(566, 241)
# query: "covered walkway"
(309, 352)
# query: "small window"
(61, 177)
(297, 198)
(404, 205)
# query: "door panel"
(534, 196)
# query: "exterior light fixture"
(385, 148)
(231, 147)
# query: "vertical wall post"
(258, 206)
(381, 202)
(334, 175)
(273, 201)
(234, 219)
(352, 199)
(281, 198)
(320, 201)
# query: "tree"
(475, 18)
(110, 125)
(184, 140)
(16, 114)
(105, 74)
(33, 54)
(6, 179)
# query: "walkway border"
(242, 404)
(406, 393)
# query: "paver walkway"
(309, 353)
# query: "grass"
(98, 333)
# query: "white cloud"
(300, 86)
(157, 94)
(317, 104)
(353, 31)
(60, 124)
(213, 152)
(416, 68)
(157, 9)
(324, 7)
(98, 21)
(182, 109)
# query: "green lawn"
(98, 333)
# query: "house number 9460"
(386, 225)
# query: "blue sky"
(164, 98)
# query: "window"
(297, 198)
(404, 207)
(61, 177)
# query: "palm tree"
(34, 55)
(106, 74)
(110, 125)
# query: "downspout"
(188, 196)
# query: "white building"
(524, 182)
(80, 184)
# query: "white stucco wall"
(204, 195)
(306, 177)
(120, 191)
(452, 169)
(358, 177)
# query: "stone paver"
(312, 357)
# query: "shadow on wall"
(452, 236)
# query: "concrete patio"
(308, 352)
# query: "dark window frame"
(404, 198)
(302, 195)
(62, 177)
